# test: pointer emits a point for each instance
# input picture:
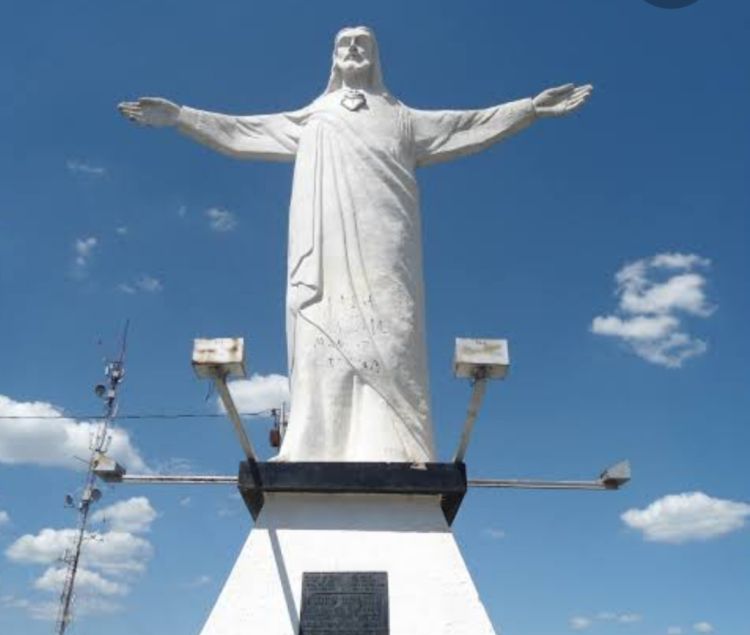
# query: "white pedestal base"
(430, 590)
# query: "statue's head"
(355, 55)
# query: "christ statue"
(355, 292)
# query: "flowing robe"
(355, 294)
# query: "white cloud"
(145, 283)
(110, 552)
(109, 561)
(260, 393)
(579, 623)
(495, 534)
(674, 630)
(46, 610)
(134, 515)
(4, 518)
(703, 627)
(83, 250)
(199, 581)
(186, 501)
(221, 220)
(653, 295)
(629, 618)
(680, 518)
(81, 167)
(86, 581)
(122, 230)
(44, 436)
(182, 211)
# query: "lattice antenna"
(114, 371)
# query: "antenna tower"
(114, 372)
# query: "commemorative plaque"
(344, 603)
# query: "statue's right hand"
(150, 111)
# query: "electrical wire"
(176, 415)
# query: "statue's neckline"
(353, 99)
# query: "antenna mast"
(114, 372)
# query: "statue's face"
(354, 51)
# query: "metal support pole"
(477, 394)
(220, 381)
(532, 484)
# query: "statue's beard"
(356, 74)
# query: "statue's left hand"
(562, 100)
(151, 111)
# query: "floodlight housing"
(107, 469)
(219, 357)
(616, 476)
(481, 358)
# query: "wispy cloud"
(81, 167)
(495, 534)
(221, 220)
(38, 433)
(144, 283)
(583, 622)
(579, 623)
(83, 250)
(122, 230)
(654, 294)
(703, 627)
(198, 581)
(680, 518)
(4, 518)
(674, 630)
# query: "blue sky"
(100, 221)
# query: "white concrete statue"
(355, 295)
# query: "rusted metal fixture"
(477, 360)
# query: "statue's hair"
(376, 72)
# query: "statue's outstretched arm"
(271, 137)
(442, 135)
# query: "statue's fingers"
(582, 90)
(560, 90)
(150, 101)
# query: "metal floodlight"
(100, 390)
(223, 356)
(616, 476)
(218, 359)
(478, 360)
(109, 470)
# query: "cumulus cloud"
(111, 552)
(144, 283)
(703, 627)
(260, 393)
(221, 220)
(36, 432)
(134, 515)
(86, 581)
(83, 250)
(680, 518)
(81, 167)
(654, 295)
(109, 563)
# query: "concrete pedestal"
(430, 591)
